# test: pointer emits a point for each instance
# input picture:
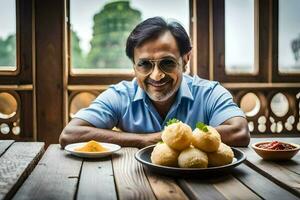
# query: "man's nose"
(157, 74)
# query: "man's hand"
(235, 132)
(81, 131)
(149, 139)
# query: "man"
(160, 91)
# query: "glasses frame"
(156, 62)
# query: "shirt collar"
(139, 95)
(184, 92)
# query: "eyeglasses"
(167, 65)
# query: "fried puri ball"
(223, 156)
(206, 141)
(162, 154)
(192, 158)
(177, 135)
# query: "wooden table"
(17, 160)
(59, 175)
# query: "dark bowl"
(143, 156)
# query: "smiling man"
(160, 91)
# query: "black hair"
(152, 28)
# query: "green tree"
(77, 57)
(8, 51)
(112, 25)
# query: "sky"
(239, 31)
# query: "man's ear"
(186, 57)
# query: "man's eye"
(145, 64)
(168, 63)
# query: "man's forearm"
(234, 132)
(232, 136)
(75, 134)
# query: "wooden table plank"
(165, 187)
(200, 189)
(15, 165)
(96, 180)
(130, 178)
(275, 172)
(293, 164)
(4, 144)
(55, 177)
(222, 187)
(231, 188)
(260, 184)
(284, 173)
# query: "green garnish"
(172, 121)
(202, 126)
(160, 142)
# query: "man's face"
(158, 84)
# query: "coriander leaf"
(202, 126)
(172, 121)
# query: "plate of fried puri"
(186, 153)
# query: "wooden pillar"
(49, 15)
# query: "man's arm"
(235, 132)
(81, 131)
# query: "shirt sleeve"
(220, 106)
(104, 111)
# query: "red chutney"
(276, 146)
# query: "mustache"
(161, 81)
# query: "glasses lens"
(168, 65)
(144, 66)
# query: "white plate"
(111, 149)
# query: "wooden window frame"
(199, 12)
(18, 22)
(276, 75)
(24, 25)
(107, 77)
(20, 82)
(219, 74)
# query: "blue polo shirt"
(126, 106)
